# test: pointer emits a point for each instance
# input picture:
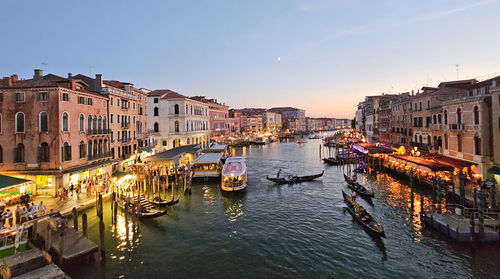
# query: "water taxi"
(207, 165)
(234, 174)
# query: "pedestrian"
(278, 174)
(78, 189)
(71, 188)
(353, 195)
(32, 211)
(24, 214)
(10, 217)
(2, 218)
(17, 214)
(41, 208)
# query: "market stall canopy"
(208, 158)
(218, 148)
(147, 149)
(426, 164)
(120, 174)
(368, 148)
(456, 163)
(175, 153)
(9, 181)
(495, 170)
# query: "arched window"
(1, 154)
(446, 117)
(459, 116)
(476, 115)
(99, 123)
(106, 146)
(188, 141)
(439, 118)
(89, 123)
(94, 123)
(155, 113)
(156, 127)
(19, 153)
(43, 152)
(187, 125)
(420, 138)
(186, 109)
(440, 142)
(434, 119)
(65, 122)
(83, 149)
(89, 148)
(19, 122)
(445, 141)
(105, 124)
(477, 145)
(66, 152)
(176, 109)
(459, 143)
(43, 122)
(81, 123)
(177, 126)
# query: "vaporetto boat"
(234, 174)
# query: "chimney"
(98, 81)
(6, 81)
(70, 75)
(38, 73)
(14, 78)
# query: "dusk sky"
(322, 56)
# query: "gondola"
(145, 209)
(362, 216)
(358, 188)
(331, 161)
(294, 179)
(162, 202)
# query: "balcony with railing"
(458, 126)
(98, 131)
(125, 140)
(93, 157)
(436, 126)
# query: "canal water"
(287, 231)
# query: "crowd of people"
(22, 214)
(91, 185)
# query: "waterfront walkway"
(64, 207)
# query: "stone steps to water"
(32, 264)
(50, 271)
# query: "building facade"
(174, 120)
(219, 118)
(54, 131)
(290, 113)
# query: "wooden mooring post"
(84, 224)
(75, 218)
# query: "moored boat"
(234, 174)
(358, 188)
(207, 165)
(362, 216)
(144, 208)
(294, 179)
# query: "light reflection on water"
(299, 231)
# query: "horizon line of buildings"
(459, 119)
(56, 130)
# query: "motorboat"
(234, 174)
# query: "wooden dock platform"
(75, 246)
(458, 228)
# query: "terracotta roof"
(166, 94)
(116, 83)
(49, 80)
